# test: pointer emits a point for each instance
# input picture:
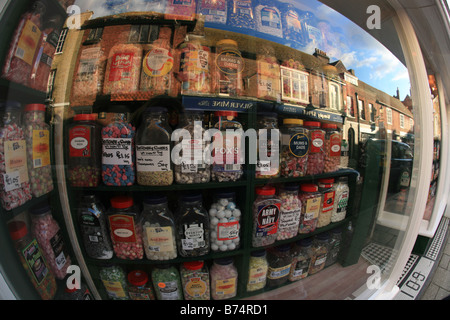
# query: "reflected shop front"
(220, 150)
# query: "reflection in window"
(372, 112)
(143, 33)
(61, 40)
(362, 113)
(95, 34)
(334, 96)
(350, 107)
(402, 121)
(295, 85)
(389, 116)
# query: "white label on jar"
(263, 166)
(289, 219)
(277, 273)
(150, 158)
(117, 151)
(160, 239)
(317, 143)
(57, 245)
(227, 230)
(11, 181)
(194, 237)
(168, 290)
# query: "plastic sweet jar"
(32, 260)
(227, 154)
(311, 200)
(229, 65)
(334, 246)
(225, 221)
(294, 148)
(316, 157)
(15, 186)
(280, 260)
(84, 159)
(327, 208)
(320, 252)
(118, 151)
(48, 234)
(195, 280)
(189, 166)
(192, 222)
(268, 163)
(332, 148)
(125, 226)
(290, 212)
(114, 280)
(37, 136)
(167, 282)
(139, 286)
(301, 259)
(94, 228)
(341, 200)
(153, 148)
(224, 279)
(257, 274)
(266, 216)
(159, 232)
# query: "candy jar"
(225, 223)
(290, 212)
(240, 14)
(118, 152)
(280, 260)
(153, 147)
(311, 199)
(115, 282)
(268, 18)
(316, 156)
(293, 30)
(84, 160)
(79, 291)
(94, 228)
(227, 150)
(341, 200)
(193, 227)
(195, 280)
(294, 148)
(37, 136)
(319, 252)
(14, 186)
(257, 274)
(326, 187)
(302, 254)
(268, 164)
(166, 282)
(190, 166)
(334, 246)
(139, 287)
(266, 215)
(48, 234)
(125, 226)
(32, 259)
(264, 83)
(159, 233)
(332, 147)
(224, 279)
(229, 65)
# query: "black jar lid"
(155, 199)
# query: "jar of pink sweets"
(290, 211)
(224, 279)
(311, 199)
(316, 156)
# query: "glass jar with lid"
(195, 280)
(192, 223)
(118, 151)
(114, 280)
(327, 208)
(266, 216)
(316, 156)
(294, 148)
(290, 212)
(167, 282)
(227, 153)
(341, 200)
(190, 165)
(268, 163)
(224, 279)
(319, 253)
(334, 246)
(257, 274)
(84, 161)
(280, 260)
(332, 147)
(229, 65)
(37, 136)
(125, 226)
(153, 148)
(139, 286)
(311, 200)
(158, 226)
(301, 259)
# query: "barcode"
(20, 53)
(37, 163)
(200, 244)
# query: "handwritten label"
(117, 151)
(151, 158)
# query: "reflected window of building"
(50, 84)
(143, 33)
(334, 96)
(362, 112)
(295, 84)
(389, 116)
(402, 120)
(372, 112)
(61, 40)
(350, 107)
(95, 34)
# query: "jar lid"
(138, 277)
(291, 187)
(226, 194)
(155, 199)
(193, 265)
(155, 110)
(223, 261)
(283, 247)
(35, 107)
(226, 113)
(329, 126)
(226, 41)
(121, 202)
(309, 187)
(11, 105)
(293, 121)
(323, 236)
(336, 230)
(326, 180)
(17, 230)
(259, 253)
(265, 191)
(191, 197)
(40, 208)
(305, 242)
(85, 117)
(312, 124)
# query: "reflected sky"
(342, 40)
